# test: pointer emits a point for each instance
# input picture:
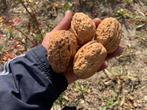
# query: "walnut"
(89, 59)
(109, 34)
(61, 49)
(83, 27)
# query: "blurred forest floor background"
(122, 86)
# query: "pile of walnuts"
(84, 47)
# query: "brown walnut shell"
(83, 27)
(109, 34)
(89, 59)
(61, 49)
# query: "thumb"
(65, 22)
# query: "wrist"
(45, 41)
(70, 77)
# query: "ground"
(122, 86)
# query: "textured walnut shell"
(61, 49)
(83, 27)
(89, 59)
(109, 34)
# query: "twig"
(7, 22)
(106, 72)
(22, 3)
(33, 16)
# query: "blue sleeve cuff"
(40, 54)
(29, 83)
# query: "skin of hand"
(65, 25)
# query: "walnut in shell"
(89, 59)
(109, 34)
(61, 49)
(83, 27)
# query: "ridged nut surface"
(89, 59)
(83, 27)
(61, 49)
(109, 33)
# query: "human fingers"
(103, 66)
(65, 22)
(97, 21)
(117, 52)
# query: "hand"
(65, 25)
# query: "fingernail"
(97, 19)
(68, 11)
(120, 49)
(105, 65)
